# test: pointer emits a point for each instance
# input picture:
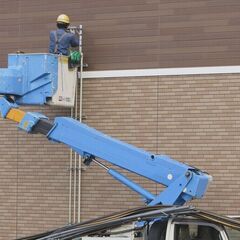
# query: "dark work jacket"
(61, 41)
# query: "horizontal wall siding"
(33, 180)
(193, 119)
(130, 34)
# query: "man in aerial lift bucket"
(61, 39)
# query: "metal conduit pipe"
(80, 119)
(70, 182)
(73, 167)
(75, 162)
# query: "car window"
(157, 231)
(233, 234)
(196, 232)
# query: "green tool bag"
(74, 59)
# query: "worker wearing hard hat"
(61, 39)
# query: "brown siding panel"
(191, 118)
(125, 29)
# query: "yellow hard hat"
(63, 18)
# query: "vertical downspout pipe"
(80, 119)
(70, 182)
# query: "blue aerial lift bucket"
(38, 79)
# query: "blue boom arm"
(183, 183)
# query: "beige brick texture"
(193, 119)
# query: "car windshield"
(196, 232)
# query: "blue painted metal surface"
(129, 183)
(182, 182)
(29, 121)
(6, 106)
(30, 78)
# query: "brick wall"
(33, 181)
(194, 119)
(127, 34)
